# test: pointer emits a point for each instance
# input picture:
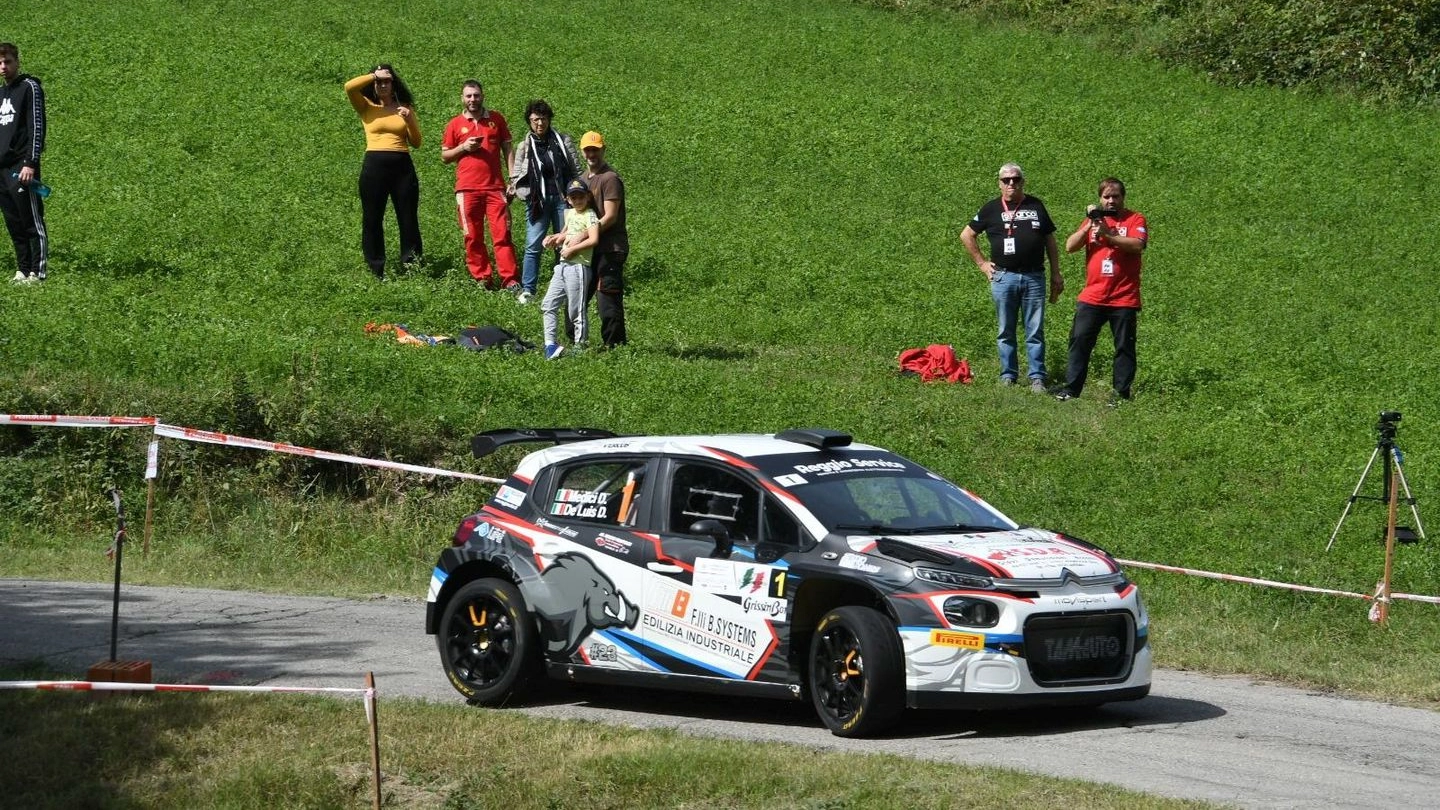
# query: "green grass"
(61, 750)
(797, 174)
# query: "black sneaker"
(1064, 396)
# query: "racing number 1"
(777, 584)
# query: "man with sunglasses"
(1113, 237)
(1022, 237)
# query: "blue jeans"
(552, 218)
(1018, 294)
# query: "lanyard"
(1010, 220)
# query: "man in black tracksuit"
(22, 139)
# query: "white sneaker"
(523, 298)
(20, 278)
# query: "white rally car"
(799, 565)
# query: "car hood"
(1014, 554)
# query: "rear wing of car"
(483, 444)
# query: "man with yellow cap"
(608, 261)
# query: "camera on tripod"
(1386, 426)
(1392, 469)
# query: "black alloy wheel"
(855, 672)
(488, 643)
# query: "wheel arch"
(817, 597)
(462, 576)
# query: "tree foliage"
(1380, 49)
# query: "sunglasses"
(1012, 181)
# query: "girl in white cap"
(572, 273)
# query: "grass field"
(797, 174)
(298, 752)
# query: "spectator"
(1113, 237)
(543, 167)
(608, 285)
(392, 129)
(1021, 236)
(22, 139)
(476, 141)
(572, 273)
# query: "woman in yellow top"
(386, 109)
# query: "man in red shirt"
(1113, 237)
(478, 142)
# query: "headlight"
(971, 612)
(954, 578)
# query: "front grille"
(1080, 648)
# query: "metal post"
(119, 554)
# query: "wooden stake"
(372, 714)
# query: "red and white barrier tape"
(109, 686)
(53, 420)
(211, 437)
(116, 686)
(1273, 584)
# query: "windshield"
(897, 504)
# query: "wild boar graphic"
(575, 598)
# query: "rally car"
(800, 565)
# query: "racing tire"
(855, 674)
(488, 643)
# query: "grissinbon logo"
(948, 638)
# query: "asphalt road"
(1218, 739)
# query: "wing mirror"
(710, 527)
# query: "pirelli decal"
(950, 638)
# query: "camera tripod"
(1394, 467)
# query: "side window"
(699, 492)
(781, 528)
(599, 492)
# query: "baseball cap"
(577, 186)
(592, 138)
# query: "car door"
(711, 608)
(591, 559)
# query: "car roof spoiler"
(483, 444)
(819, 438)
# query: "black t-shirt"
(1031, 224)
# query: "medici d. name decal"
(579, 503)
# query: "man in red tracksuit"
(478, 142)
